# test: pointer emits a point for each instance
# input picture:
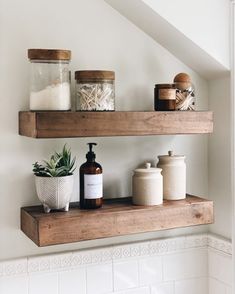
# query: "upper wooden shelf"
(119, 123)
(116, 217)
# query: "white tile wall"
(229, 290)
(100, 279)
(219, 272)
(125, 274)
(73, 282)
(192, 286)
(150, 270)
(216, 287)
(43, 283)
(187, 265)
(142, 290)
(13, 285)
(163, 288)
(220, 266)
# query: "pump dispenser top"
(90, 156)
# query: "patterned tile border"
(218, 243)
(65, 261)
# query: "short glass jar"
(185, 92)
(95, 90)
(165, 97)
(49, 79)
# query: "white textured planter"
(54, 193)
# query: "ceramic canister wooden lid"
(49, 54)
(148, 169)
(83, 75)
(171, 156)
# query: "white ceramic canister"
(147, 186)
(174, 176)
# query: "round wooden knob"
(182, 81)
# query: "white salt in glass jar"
(147, 187)
(174, 176)
(49, 79)
(95, 90)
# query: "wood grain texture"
(29, 225)
(27, 124)
(118, 123)
(49, 54)
(117, 217)
(84, 75)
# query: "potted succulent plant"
(54, 180)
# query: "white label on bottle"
(93, 186)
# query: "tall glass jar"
(49, 79)
(95, 90)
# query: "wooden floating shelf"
(116, 218)
(119, 123)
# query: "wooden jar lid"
(182, 78)
(81, 75)
(183, 81)
(165, 86)
(49, 54)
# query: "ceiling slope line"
(164, 33)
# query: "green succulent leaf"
(60, 164)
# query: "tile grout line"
(163, 276)
(138, 263)
(58, 283)
(86, 280)
(174, 288)
(28, 282)
(112, 262)
(221, 282)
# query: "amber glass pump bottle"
(91, 182)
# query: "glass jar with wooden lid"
(185, 92)
(95, 90)
(49, 79)
(165, 97)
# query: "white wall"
(205, 22)
(191, 19)
(220, 157)
(100, 39)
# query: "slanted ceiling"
(153, 24)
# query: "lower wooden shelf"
(117, 217)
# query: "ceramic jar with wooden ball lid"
(174, 176)
(147, 186)
(185, 92)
